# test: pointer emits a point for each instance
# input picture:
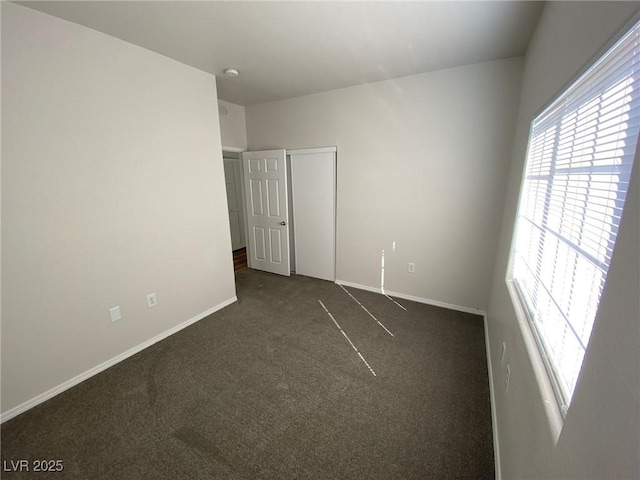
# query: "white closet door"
(313, 174)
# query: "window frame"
(547, 376)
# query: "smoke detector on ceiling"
(231, 72)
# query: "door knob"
(283, 223)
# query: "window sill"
(547, 394)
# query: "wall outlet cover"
(152, 301)
(115, 314)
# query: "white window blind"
(579, 160)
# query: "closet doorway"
(290, 211)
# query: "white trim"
(492, 396)
(23, 407)
(547, 394)
(304, 151)
(292, 213)
(233, 149)
(404, 296)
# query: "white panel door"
(313, 174)
(265, 180)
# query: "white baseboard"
(494, 419)
(404, 296)
(109, 363)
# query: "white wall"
(422, 161)
(232, 125)
(112, 188)
(600, 436)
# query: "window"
(579, 160)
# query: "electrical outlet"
(115, 314)
(504, 351)
(507, 378)
(151, 300)
(412, 268)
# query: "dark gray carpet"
(269, 388)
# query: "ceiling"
(290, 49)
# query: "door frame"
(236, 163)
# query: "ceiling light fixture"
(231, 72)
